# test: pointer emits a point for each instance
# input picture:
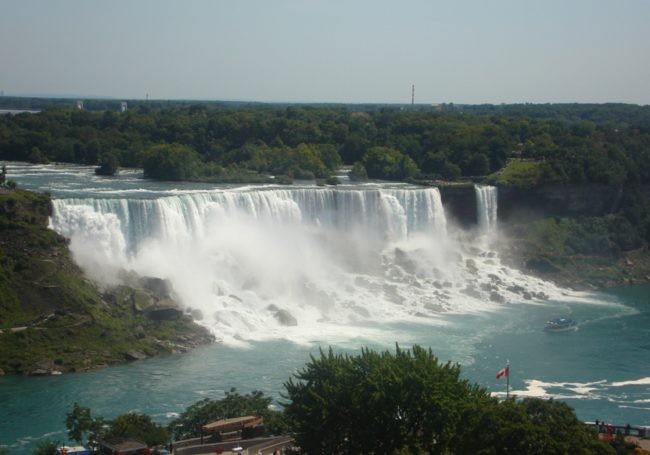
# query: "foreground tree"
(189, 423)
(46, 447)
(139, 427)
(378, 402)
(531, 426)
(409, 402)
(80, 423)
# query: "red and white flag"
(503, 373)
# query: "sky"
(335, 51)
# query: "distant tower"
(412, 94)
(79, 105)
(147, 99)
(123, 106)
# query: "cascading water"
(486, 206)
(325, 259)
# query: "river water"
(362, 265)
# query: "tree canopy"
(604, 144)
(409, 402)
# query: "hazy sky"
(461, 51)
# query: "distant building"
(123, 106)
(79, 104)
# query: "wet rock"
(516, 289)
(233, 296)
(272, 307)
(448, 284)
(437, 285)
(496, 297)
(527, 295)
(434, 307)
(488, 287)
(196, 314)
(141, 301)
(472, 292)
(495, 278)
(39, 372)
(164, 310)
(160, 288)
(285, 318)
(134, 355)
(541, 295)
(402, 259)
(471, 265)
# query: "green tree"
(377, 402)
(358, 173)
(46, 447)
(171, 162)
(80, 422)
(389, 163)
(189, 423)
(108, 164)
(531, 426)
(139, 427)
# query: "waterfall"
(331, 261)
(486, 206)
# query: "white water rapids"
(332, 259)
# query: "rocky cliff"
(52, 319)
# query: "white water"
(486, 203)
(334, 259)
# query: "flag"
(503, 373)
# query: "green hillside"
(53, 319)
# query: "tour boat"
(560, 325)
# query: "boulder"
(39, 372)
(134, 355)
(471, 265)
(285, 318)
(164, 313)
(141, 300)
(402, 259)
(472, 292)
(496, 297)
(160, 288)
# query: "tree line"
(605, 144)
(400, 402)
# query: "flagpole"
(508, 379)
